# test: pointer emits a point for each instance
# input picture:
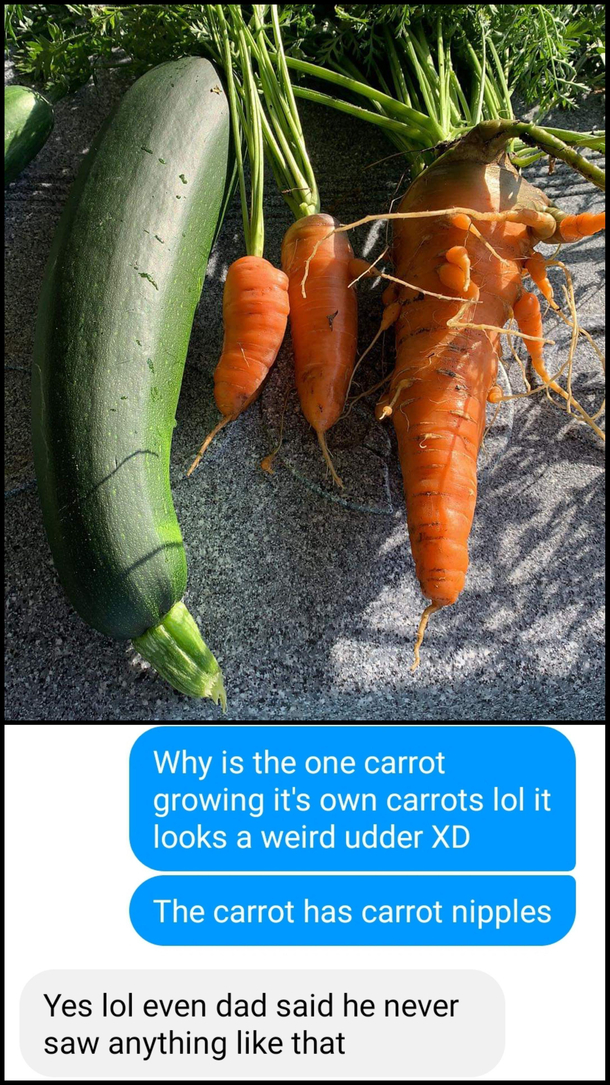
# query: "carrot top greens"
(550, 53)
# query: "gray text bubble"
(251, 1025)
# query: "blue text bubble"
(352, 910)
(368, 798)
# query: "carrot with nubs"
(447, 351)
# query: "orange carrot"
(536, 268)
(323, 319)
(255, 311)
(255, 299)
(529, 320)
(446, 362)
(447, 352)
(574, 227)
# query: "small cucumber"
(123, 279)
(28, 121)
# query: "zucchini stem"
(177, 651)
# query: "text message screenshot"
(305, 902)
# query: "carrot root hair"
(390, 316)
(210, 437)
(328, 460)
(423, 622)
(267, 461)
(367, 392)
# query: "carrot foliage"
(550, 53)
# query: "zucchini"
(123, 279)
(28, 120)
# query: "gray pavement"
(309, 600)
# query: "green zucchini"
(123, 279)
(28, 120)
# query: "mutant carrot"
(447, 352)
(323, 320)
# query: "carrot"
(529, 320)
(323, 322)
(255, 297)
(447, 352)
(536, 268)
(255, 312)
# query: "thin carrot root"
(328, 460)
(521, 367)
(500, 331)
(384, 409)
(582, 331)
(390, 315)
(360, 268)
(267, 461)
(210, 437)
(527, 314)
(538, 221)
(419, 289)
(493, 421)
(367, 392)
(423, 622)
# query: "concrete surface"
(311, 605)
